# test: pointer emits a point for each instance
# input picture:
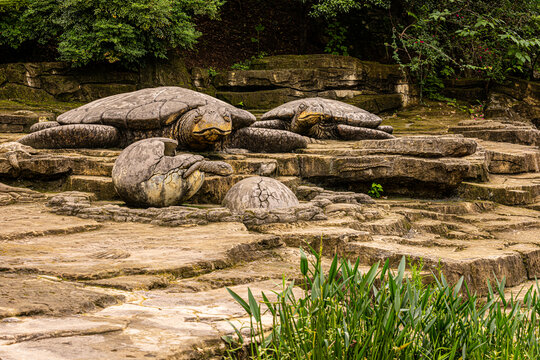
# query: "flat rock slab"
(519, 189)
(421, 146)
(514, 133)
(24, 295)
(10, 195)
(506, 158)
(19, 121)
(156, 325)
(130, 248)
(51, 165)
(33, 220)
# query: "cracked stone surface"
(80, 289)
(86, 278)
(259, 192)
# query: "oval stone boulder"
(259, 193)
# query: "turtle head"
(307, 116)
(205, 126)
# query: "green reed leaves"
(345, 313)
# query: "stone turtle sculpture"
(325, 119)
(196, 121)
(149, 173)
(259, 192)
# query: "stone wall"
(517, 100)
(269, 82)
(57, 81)
(273, 80)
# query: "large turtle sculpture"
(321, 118)
(197, 121)
(150, 173)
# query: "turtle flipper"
(272, 124)
(267, 140)
(386, 128)
(43, 125)
(73, 136)
(347, 132)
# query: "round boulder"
(259, 193)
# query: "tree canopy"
(87, 31)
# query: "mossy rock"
(327, 61)
(16, 91)
(376, 103)
(265, 99)
(90, 92)
(304, 62)
(15, 73)
(166, 73)
(465, 83)
(59, 84)
(3, 75)
(466, 94)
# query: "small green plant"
(244, 65)
(259, 29)
(241, 105)
(212, 72)
(376, 190)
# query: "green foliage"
(345, 313)
(333, 8)
(488, 39)
(246, 64)
(447, 39)
(337, 39)
(243, 65)
(259, 29)
(376, 190)
(89, 31)
(212, 72)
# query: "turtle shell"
(336, 111)
(149, 173)
(148, 109)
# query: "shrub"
(87, 31)
(460, 38)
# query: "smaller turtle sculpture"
(150, 173)
(259, 192)
(321, 118)
(12, 151)
(196, 121)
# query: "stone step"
(17, 121)
(505, 158)
(498, 131)
(535, 205)
(477, 261)
(101, 186)
(509, 190)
